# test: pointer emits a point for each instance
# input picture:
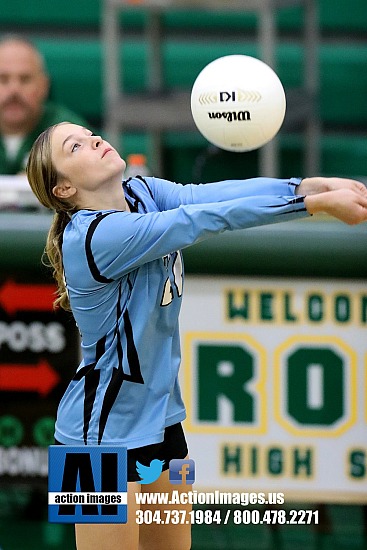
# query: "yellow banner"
(274, 378)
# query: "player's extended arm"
(168, 195)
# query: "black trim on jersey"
(146, 185)
(125, 184)
(88, 250)
(129, 283)
(91, 381)
(119, 349)
(296, 200)
(131, 198)
(90, 389)
(118, 374)
(130, 194)
(111, 393)
(117, 377)
(132, 354)
(132, 205)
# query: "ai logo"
(87, 484)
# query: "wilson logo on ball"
(230, 116)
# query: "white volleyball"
(238, 103)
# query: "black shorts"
(173, 446)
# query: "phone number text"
(237, 517)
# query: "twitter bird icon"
(151, 473)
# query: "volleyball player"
(116, 253)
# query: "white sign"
(274, 378)
(15, 191)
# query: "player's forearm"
(310, 186)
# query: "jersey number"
(168, 289)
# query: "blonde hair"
(42, 177)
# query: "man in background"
(24, 107)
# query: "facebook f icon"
(182, 471)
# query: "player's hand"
(311, 186)
(346, 204)
(333, 184)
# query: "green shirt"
(52, 114)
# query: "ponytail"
(53, 257)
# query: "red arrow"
(40, 378)
(26, 297)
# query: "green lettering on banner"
(288, 315)
(238, 311)
(364, 310)
(328, 407)
(357, 461)
(342, 308)
(11, 431)
(275, 461)
(315, 307)
(232, 459)
(43, 431)
(223, 371)
(254, 460)
(266, 306)
(303, 462)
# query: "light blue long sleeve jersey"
(124, 276)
